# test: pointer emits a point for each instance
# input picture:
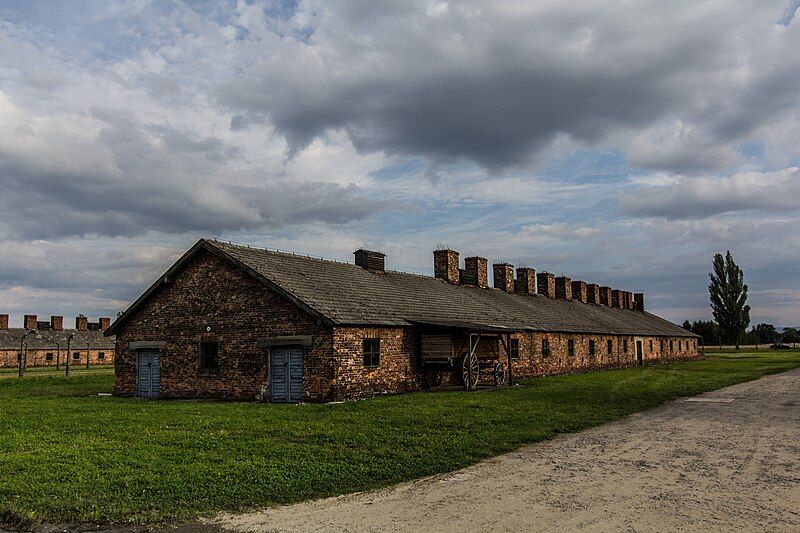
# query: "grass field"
(67, 455)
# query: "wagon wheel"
(470, 371)
(499, 374)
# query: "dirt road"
(685, 465)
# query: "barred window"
(209, 355)
(571, 348)
(514, 348)
(610, 346)
(545, 348)
(372, 352)
(591, 348)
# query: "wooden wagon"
(471, 352)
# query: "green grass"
(68, 455)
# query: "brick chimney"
(104, 323)
(366, 259)
(631, 304)
(30, 322)
(81, 323)
(593, 293)
(526, 281)
(4, 321)
(57, 323)
(476, 271)
(563, 288)
(546, 284)
(638, 301)
(503, 276)
(616, 299)
(605, 296)
(445, 266)
(579, 291)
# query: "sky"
(621, 143)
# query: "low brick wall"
(49, 357)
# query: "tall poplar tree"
(729, 298)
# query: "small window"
(661, 345)
(101, 355)
(571, 348)
(671, 347)
(625, 345)
(372, 352)
(209, 355)
(514, 348)
(591, 349)
(545, 348)
(610, 346)
(48, 356)
(76, 355)
(651, 345)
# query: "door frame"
(638, 347)
(152, 351)
(289, 349)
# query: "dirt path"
(685, 465)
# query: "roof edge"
(208, 245)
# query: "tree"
(687, 325)
(729, 298)
(790, 335)
(765, 334)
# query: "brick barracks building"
(49, 344)
(234, 322)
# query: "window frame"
(371, 349)
(101, 355)
(76, 356)
(513, 348)
(204, 359)
(545, 347)
(592, 348)
(624, 345)
(610, 346)
(49, 356)
(570, 347)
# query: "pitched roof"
(346, 294)
(50, 339)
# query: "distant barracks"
(234, 322)
(48, 343)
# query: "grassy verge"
(68, 455)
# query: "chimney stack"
(605, 296)
(526, 281)
(104, 323)
(579, 291)
(368, 260)
(445, 266)
(638, 299)
(546, 284)
(593, 293)
(629, 299)
(81, 323)
(503, 276)
(563, 288)
(57, 323)
(4, 321)
(616, 299)
(30, 322)
(476, 271)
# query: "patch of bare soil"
(706, 465)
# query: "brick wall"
(208, 292)
(399, 369)
(38, 357)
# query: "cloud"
(687, 198)
(497, 83)
(107, 173)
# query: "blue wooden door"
(149, 374)
(286, 374)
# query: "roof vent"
(369, 260)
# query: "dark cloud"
(496, 83)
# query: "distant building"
(230, 321)
(47, 343)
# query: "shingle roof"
(349, 295)
(47, 339)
